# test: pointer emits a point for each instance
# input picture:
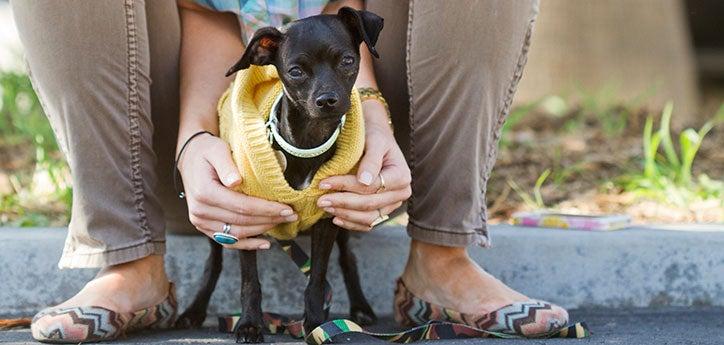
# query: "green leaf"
(538, 185)
(650, 145)
(689, 142)
(666, 141)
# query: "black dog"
(318, 60)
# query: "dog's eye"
(347, 60)
(295, 72)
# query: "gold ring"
(381, 218)
(382, 186)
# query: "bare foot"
(127, 287)
(446, 276)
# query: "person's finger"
(238, 231)
(363, 202)
(371, 162)
(395, 171)
(351, 225)
(396, 177)
(226, 216)
(348, 183)
(220, 159)
(222, 197)
(361, 217)
(252, 243)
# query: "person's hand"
(359, 199)
(208, 174)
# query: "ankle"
(431, 256)
(150, 268)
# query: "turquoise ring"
(224, 237)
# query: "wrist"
(189, 140)
(188, 130)
(374, 112)
(374, 107)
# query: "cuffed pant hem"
(448, 238)
(111, 257)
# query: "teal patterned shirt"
(255, 14)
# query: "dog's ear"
(365, 26)
(261, 49)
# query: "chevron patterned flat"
(530, 319)
(94, 324)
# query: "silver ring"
(224, 237)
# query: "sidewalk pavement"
(576, 269)
(676, 273)
(650, 326)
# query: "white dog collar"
(291, 149)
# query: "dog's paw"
(363, 316)
(190, 319)
(248, 334)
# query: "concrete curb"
(629, 268)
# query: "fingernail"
(329, 209)
(286, 212)
(231, 179)
(337, 221)
(365, 178)
(325, 203)
(291, 218)
(264, 246)
(325, 186)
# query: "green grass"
(42, 187)
(666, 174)
(22, 116)
(535, 201)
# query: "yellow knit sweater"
(243, 112)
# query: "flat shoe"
(94, 324)
(530, 319)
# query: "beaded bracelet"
(367, 93)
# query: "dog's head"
(317, 58)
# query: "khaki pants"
(107, 76)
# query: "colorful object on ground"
(518, 320)
(571, 221)
(92, 324)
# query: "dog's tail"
(15, 323)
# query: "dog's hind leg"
(195, 314)
(359, 309)
(250, 326)
(323, 235)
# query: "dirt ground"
(585, 163)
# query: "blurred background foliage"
(35, 186)
(620, 110)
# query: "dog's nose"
(327, 99)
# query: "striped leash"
(324, 334)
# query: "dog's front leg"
(195, 315)
(359, 309)
(323, 235)
(249, 328)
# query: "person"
(126, 83)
